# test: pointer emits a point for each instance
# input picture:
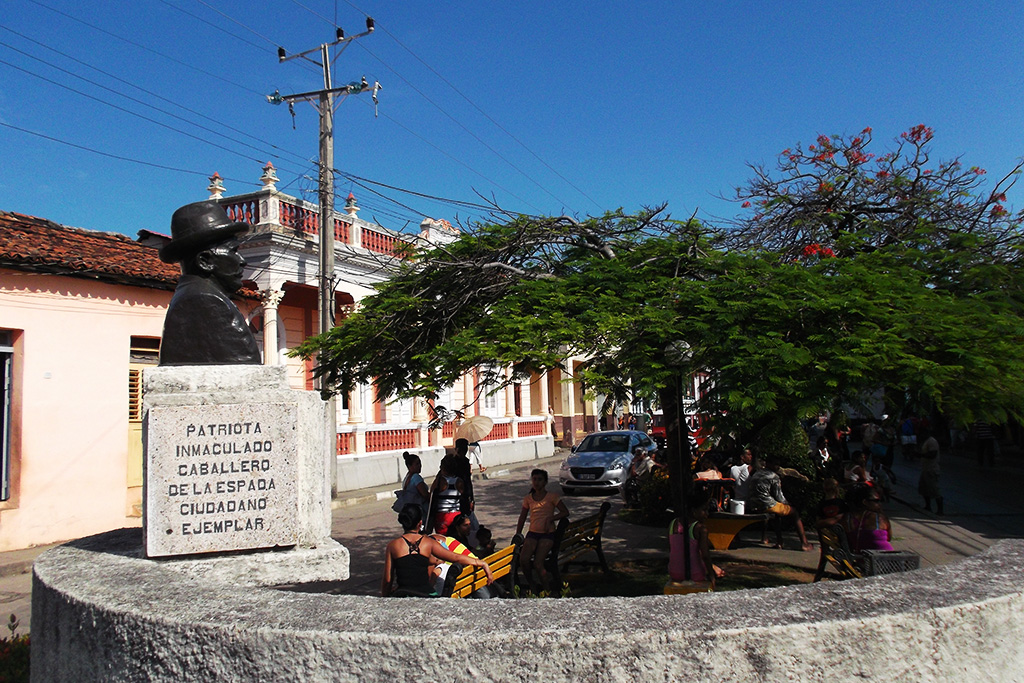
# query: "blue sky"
(548, 107)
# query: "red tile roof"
(36, 244)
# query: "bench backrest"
(836, 549)
(569, 535)
(502, 564)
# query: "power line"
(453, 119)
(219, 28)
(464, 128)
(130, 98)
(130, 112)
(454, 202)
(423, 195)
(458, 161)
(488, 117)
(474, 105)
(228, 126)
(441, 200)
(147, 49)
(115, 156)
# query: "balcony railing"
(244, 211)
(390, 440)
(382, 438)
(304, 219)
(301, 219)
(532, 428)
(380, 243)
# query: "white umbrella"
(474, 428)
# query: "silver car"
(601, 460)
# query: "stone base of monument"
(101, 613)
(237, 477)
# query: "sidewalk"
(982, 506)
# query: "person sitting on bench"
(765, 495)
(407, 559)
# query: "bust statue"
(203, 326)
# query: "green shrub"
(654, 495)
(14, 654)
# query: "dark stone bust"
(203, 326)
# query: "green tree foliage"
(852, 272)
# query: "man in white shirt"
(741, 473)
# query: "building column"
(510, 395)
(355, 405)
(569, 407)
(545, 399)
(271, 299)
(510, 405)
(422, 421)
(469, 393)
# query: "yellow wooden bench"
(573, 539)
(835, 550)
(503, 566)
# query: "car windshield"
(616, 443)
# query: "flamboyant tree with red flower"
(847, 272)
(910, 274)
(846, 193)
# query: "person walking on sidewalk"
(928, 484)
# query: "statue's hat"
(196, 226)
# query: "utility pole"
(324, 102)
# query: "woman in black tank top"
(407, 558)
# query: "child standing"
(544, 510)
(693, 541)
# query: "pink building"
(79, 310)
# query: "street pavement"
(981, 506)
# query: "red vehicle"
(695, 423)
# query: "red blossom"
(855, 156)
(977, 171)
(866, 131)
(825, 187)
(998, 210)
(919, 133)
(746, 205)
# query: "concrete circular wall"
(100, 612)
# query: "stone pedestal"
(99, 613)
(237, 462)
